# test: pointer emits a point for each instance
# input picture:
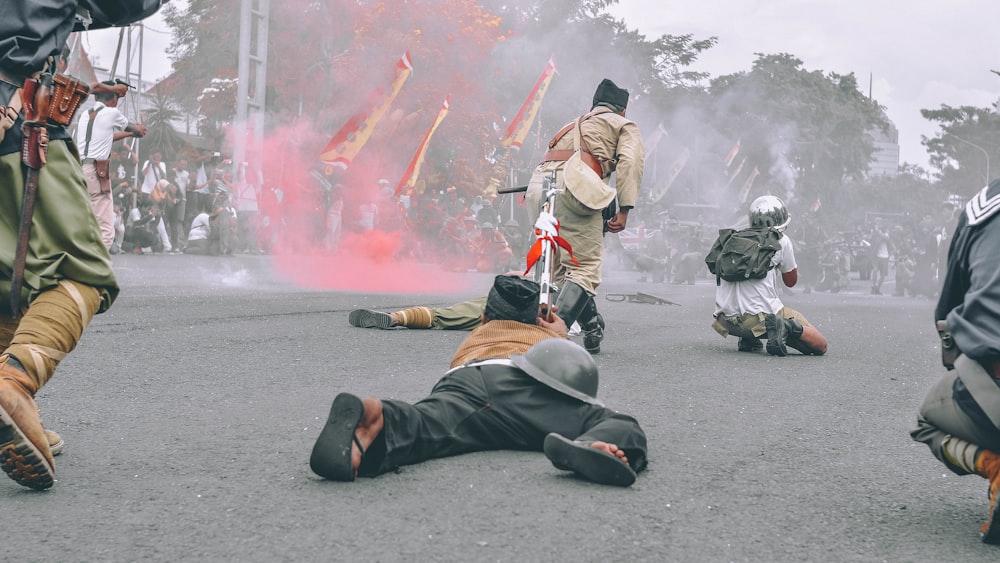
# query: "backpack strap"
(579, 143)
(90, 130)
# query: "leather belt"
(992, 368)
(554, 155)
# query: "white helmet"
(769, 211)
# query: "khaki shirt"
(609, 136)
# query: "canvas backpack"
(742, 255)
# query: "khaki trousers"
(102, 205)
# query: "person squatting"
(960, 418)
(751, 308)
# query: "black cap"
(513, 298)
(608, 92)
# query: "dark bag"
(103, 170)
(742, 255)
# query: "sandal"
(590, 463)
(331, 455)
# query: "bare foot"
(609, 449)
(368, 429)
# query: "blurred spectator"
(198, 236)
(153, 170)
(881, 251)
(493, 254)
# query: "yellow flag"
(346, 144)
(409, 179)
(521, 124)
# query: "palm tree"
(160, 133)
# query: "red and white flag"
(737, 171)
(732, 154)
(521, 124)
(655, 138)
(409, 180)
(745, 190)
(349, 140)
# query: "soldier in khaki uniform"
(67, 275)
(610, 143)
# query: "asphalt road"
(190, 408)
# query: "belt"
(992, 368)
(88, 161)
(475, 363)
(554, 155)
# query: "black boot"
(781, 332)
(592, 324)
(571, 302)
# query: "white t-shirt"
(200, 227)
(757, 296)
(153, 175)
(182, 178)
(106, 122)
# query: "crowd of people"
(887, 254)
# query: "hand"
(139, 131)
(548, 319)
(547, 223)
(618, 222)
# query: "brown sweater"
(500, 339)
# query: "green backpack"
(742, 255)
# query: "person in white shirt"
(153, 170)
(201, 229)
(98, 129)
(751, 309)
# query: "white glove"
(547, 223)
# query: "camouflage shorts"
(751, 325)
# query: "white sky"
(919, 54)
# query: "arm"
(790, 278)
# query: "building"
(885, 159)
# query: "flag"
(732, 154)
(675, 169)
(346, 144)
(815, 206)
(409, 179)
(737, 172)
(655, 138)
(745, 190)
(78, 64)
(521, 124)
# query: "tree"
(965, 147)
(806, 131)
(160, 133)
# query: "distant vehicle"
(635, 238)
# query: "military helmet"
(769, 211)
(562, 365)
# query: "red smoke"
(292, 213)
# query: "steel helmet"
(769, 211)
(562, 365)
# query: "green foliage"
(965, 148)
(811, 124)
(160, 134)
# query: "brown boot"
(988, 465)
(24, 448)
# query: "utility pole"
(250, 100)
